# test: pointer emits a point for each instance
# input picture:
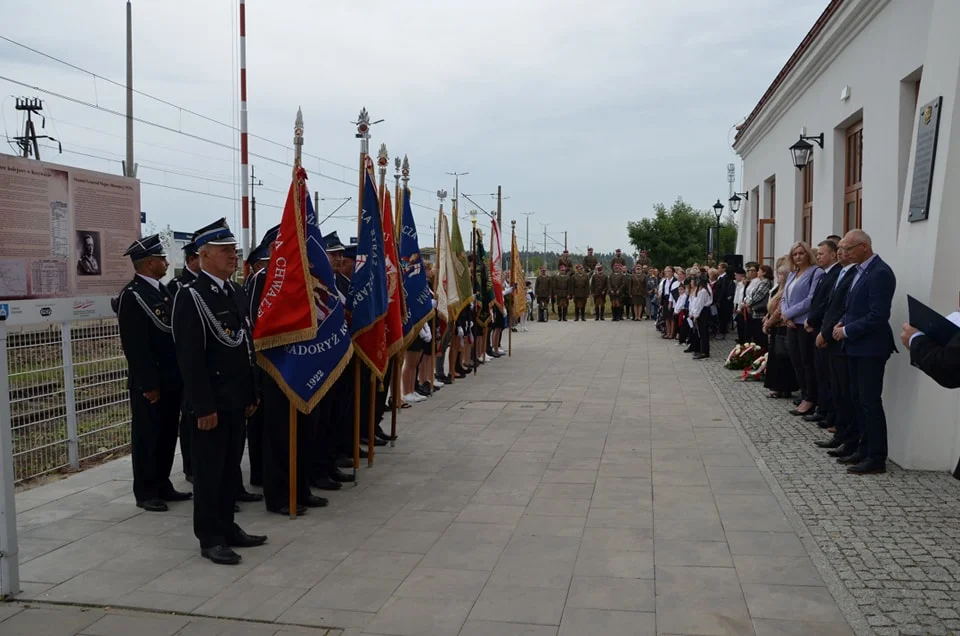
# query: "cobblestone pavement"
(893, 540)
(588, 485)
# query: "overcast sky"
(587, 113)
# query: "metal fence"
(68, 396)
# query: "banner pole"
(363, 134)
(370, 420)
(395, 390)
(356, 417)
(293, 460)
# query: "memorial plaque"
(925, 154)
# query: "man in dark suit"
(188, 422)
(819, 298)
(724, 290)
(845, 436)
(215, 354)
(868, 342)
(153, 379)
(940, 362)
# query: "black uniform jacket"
(216, 375)
(821, 297)
(940, 363)
(143, 314)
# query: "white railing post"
(69, 394)
(9, 558)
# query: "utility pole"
(545, 225)
(499, 205)
(564, 240)
(129, 167)
(28, 141)
(253, 204)
(527, 250)
(316, 206)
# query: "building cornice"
(844, 25)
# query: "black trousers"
(153, 442)
(724, 311)
(821, 363)
(188, 422)
(255, 446)
(276, 456)
(703, 327)
(800, 346)
(844, 415)
(755, 332)
(216, 460)
(741, 323)
(866, 389)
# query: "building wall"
(887, 54)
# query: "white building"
(862, 77)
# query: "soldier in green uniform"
(543, 290)
(599, 284)
(580, 288)
(566, 262)
(561, 291)
(644, 259)
(589, 262)
(638, 291)
(618, 259)
(617, 286)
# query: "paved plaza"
(606, 485)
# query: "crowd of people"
(821, 315)
(193, 377)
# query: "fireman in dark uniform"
(143, 312)
(211, 330)
(191, 267)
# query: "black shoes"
(816, 416)
(798, 412)
(854, 458)
(833, 442)
(325, 483)
(701, 356)
(341, 477)
(249, 497)
(153, 505)
(312, 501)
(221, 555)
(376, 442)
(868, 467)
(175, 495)
(285, 510)
(444, 378)
(381, 434)
(243, 540)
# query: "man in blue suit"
(867, 339)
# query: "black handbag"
(779, 344)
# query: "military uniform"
(638, 292)
(589, 263)
(580, 289)
(617, 260)
(567, 262)
(599, 284)
(253, 288)
(143, 315)
(561, 291)
(617, 286)
(543, 289)
(643, 260)
(215, 352)
(188, 420)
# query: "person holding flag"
(497, 302)
(368, 301)
(416, 289)
(302, 344)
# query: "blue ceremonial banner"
(305, 370)
(415, 285)
(368, 287)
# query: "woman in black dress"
(779, 376)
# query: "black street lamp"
(802, 151)
(718, 210)
(735, 201)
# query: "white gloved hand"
(460, 331)
(433, 303)
(425, 334)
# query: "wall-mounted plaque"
(925, 154)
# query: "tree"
(678, 235)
